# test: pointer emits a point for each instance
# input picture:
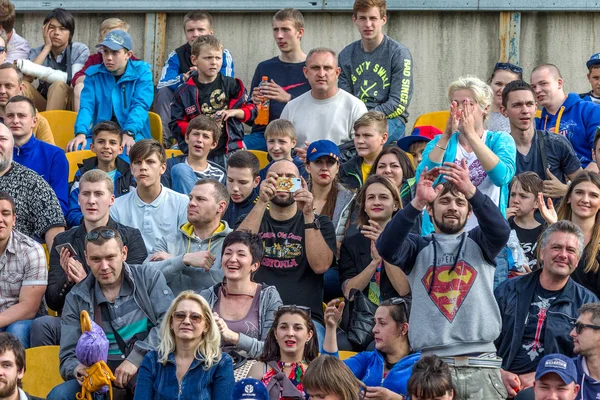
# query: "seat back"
(76, 157)
(62, 123)
(436, 118)
(156, 127)
(42, 373)
(262, 157)
(173, 153)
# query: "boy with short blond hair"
(523, 203)
(242, 184)
(377, 69)
(107, 144)
(178, 67)
(281, 139)
(202, 135)
(370, 135)
(218, 96)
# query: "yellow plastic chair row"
(62, 123)
(42, 370)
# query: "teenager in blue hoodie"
(242, 184)
(386, 369)
(118, 90)
(567, 115)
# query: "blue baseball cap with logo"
(250, 389)
(320, 148)
(558, 364)
(594, 60)
(117, 40)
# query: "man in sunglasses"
(586, 341)
(538, 309)
(128, 302)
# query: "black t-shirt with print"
(531, 349)
(285, 265)
(528, 239)
(215, 96)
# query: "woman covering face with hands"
(489, 156)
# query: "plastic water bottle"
(263, 107)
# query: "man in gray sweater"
(376, 68)
(451, 274)
(190, 259)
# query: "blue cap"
(595, 59)
(250, 388)
(320, 148)
(419, 134)
(117, 40)
(558, 364)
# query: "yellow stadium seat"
(62, 124)
(173, 153)
(538, 113)
(262, 157)
(346, 354)
(76, 157)
(42, 370)
(436, 118)
(156, 128)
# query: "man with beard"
(38, 209)
(451, 274)
(190, 259)
(12, 360)
(299, 245)
(539, 309)
(586, 341)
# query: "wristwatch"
(129, 133)
(313, 225)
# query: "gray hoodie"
(151, 294)
(268, 305)
(182, 277)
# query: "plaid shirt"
(23, 263)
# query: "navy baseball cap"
(117, 40)
(419, 134)
(558, 364)
(250, 388)
(595, 59)
(320, 148)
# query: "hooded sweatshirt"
(451, 277)
(589, 389)
(577, 120)
(236, 210)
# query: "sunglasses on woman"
(508, 67)
(579, 327)
(180, 316)
(293, 308)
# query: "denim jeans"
(320, 334)
(396, 130)
(21, 330)
(183, 178)
(256, 141)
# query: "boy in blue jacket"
(118, 90)
(593, 76)
(567, 115)
(107, 144)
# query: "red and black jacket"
(186, 106)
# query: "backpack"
(280, 386)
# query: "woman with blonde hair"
(580, 206)
(328, 378)
(490, 156)
(188, 363)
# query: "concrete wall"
(444, 45)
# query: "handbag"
(241, 364)
(362, 319)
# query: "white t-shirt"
(479, 178)
(332, 119)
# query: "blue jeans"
(320, 334)
(332, 286)
(21, 330)
(256, 141)
(66, 390)
(501, 272)
(183, 178)
(396, 130)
